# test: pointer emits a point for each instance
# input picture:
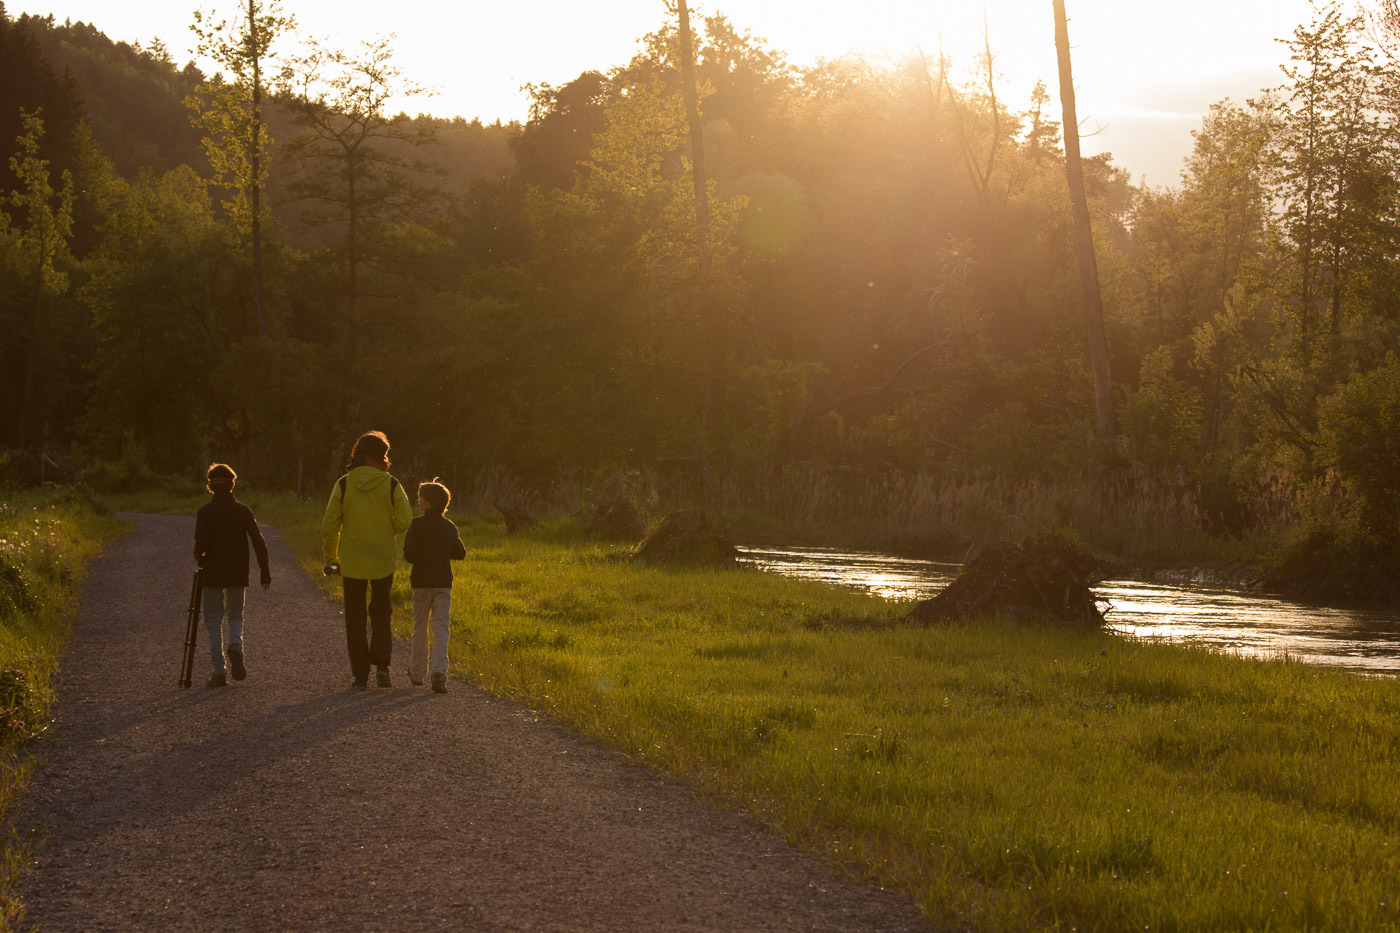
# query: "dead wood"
(687, 537)
(516, 518)
(1035, 580)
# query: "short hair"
(436, 494)
(220, 477)
(371, 445)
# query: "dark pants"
(381, 642)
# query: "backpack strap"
(393, 487)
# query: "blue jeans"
(216, 602)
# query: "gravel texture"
(289, 802)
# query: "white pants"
(429, 604)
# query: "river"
(1221, 618)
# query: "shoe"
(217, 680)
(235, 661)
(359, 683)
(439, 683)
(416, 683)
(382, 678)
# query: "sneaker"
(416, 683)
(382, 679)
(439, 683)
(359, 683)
(235, 661)
(217, 680)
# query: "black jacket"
(430, 545)
(223, 526)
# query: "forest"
(882, 342)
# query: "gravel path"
(288, 802)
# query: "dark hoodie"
(223, 526)
(432, 543)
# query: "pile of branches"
(687, 537)
(517, 517)
(1037, 580)
(617, 517)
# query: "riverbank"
(1010, 778)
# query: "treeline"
(889, 285)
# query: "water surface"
(1221, 618)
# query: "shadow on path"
(288, 802)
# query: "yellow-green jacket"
(361, 528)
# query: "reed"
(1007, 777)
(936, 516)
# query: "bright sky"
(1145, 72)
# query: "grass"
(1008, 778)
(46, 537)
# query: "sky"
(1145, 72)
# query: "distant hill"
(132, 98)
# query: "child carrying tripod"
(223, 526)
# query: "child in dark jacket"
(222, 529)
(431, 544)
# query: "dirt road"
(289, 802)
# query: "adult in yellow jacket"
(367, 513)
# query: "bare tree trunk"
(1084, 238)
(255, 186)
(702, 224)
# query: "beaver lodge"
(1035, 580)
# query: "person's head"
(372, 447)
(220, 478)
(433, 496)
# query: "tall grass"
(1130, 520)
(46, 537)
(1007, 777)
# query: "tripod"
(192, 629)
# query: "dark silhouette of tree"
(35, 261)
(231, 115)
(1088, 265)
(352, 160)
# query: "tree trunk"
(702, 225)
(1084, 239)
(255, 181)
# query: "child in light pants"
(431, 544)
(223, 527)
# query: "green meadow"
(1007, 777)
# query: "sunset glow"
(1146, 72)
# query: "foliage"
(34, 269)
(46, 537)
(1360, 440)
(889, 289)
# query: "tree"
(352, 157)
(1088, 269)
(700, 183)
(229, 111)
(35, 253)
(1336, 162)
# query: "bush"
(21, 716)
(1360, 439)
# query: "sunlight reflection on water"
(1224, 619)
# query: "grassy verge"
(46, 537)
(1008, 778)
